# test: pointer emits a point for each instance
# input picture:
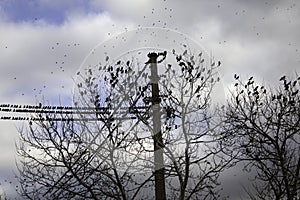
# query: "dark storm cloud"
(250, 37)
(53, 12)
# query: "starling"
(282, 78)
(198, 89)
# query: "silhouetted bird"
(282, 78)
(198, 89)
(237, 100)
(182, 64)
(265, 91)
(164, 53)
(168, 69)
(273, 97)
(294, 83)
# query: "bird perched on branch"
(282, 78)
(198, 89)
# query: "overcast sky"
(44, 42)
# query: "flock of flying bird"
(114, 76)
(288, 85)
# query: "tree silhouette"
(263, 126)
(107, 151)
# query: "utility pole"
(159, 169)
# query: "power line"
(68, 111)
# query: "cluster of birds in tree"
(287, 94)
(124, 80)
(290, 91)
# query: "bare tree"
(194, 161)
(64, 159)
(263, 126)
(104, 148)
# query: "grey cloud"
(251, 37)
(226, 28)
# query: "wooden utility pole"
(159, 170)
